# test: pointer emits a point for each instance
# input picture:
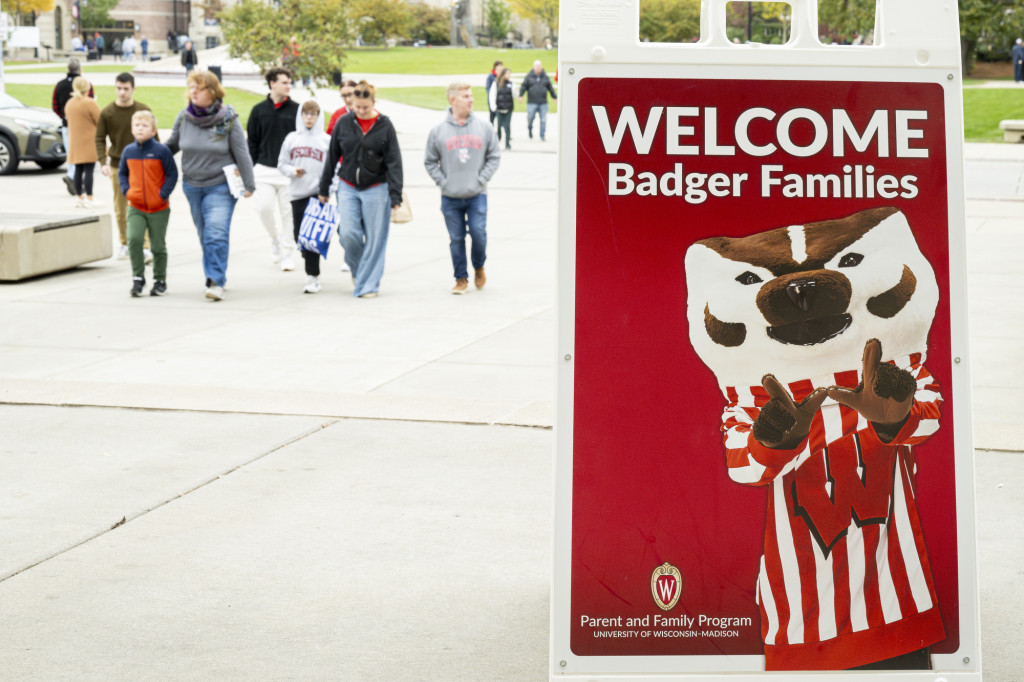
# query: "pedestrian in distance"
(129, 48)
(370, 188)
(61, 94)
(302, 158)
(147, 175)
(101, 45)
(462, 156)
(189, 58)
(491, 77)
(346, 90)
(537, 85)
(117, 49)
(83, 115)
(213, 151)
(115, 125)
(502, 101)
(1017, 55)
(144, 44)
(269, 123)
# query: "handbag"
(319, 222)
(403, 212)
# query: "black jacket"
(536, 86)
(366, 160)
(61, 95)
(268, 126)
(503, 97)
(189, 57)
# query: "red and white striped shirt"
(844, 578)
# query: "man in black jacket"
(537, 85)
(269, 123)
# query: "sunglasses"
(362, 94)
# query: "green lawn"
(984, 109)
(444, 60)
(435, 98)
(165, 102)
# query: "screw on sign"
(778, 222)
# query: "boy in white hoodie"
(302, 158)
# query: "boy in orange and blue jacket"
(147, 174)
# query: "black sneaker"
(70, 184)
(137, 284)
(159, 289)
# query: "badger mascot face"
(817, 334)
(802, 301)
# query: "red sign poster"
(762, 449)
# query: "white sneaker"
(122, 253)
(287, 264)
(147, 256)
(215, 293)
(312, 285)
(345, 267)
(275, 251)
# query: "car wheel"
(8, 156)
(49, 165)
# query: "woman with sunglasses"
(210, 137)
(347, 88)
(370, 187)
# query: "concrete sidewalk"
(282, 486)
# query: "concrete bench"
(1013, 130)
(32, 244)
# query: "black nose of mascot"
(801, 293)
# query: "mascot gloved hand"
(884, 396)
(782, 424)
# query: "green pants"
(156, 223)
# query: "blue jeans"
(531, 111)
(212, 208)
(461, 216)
(365, 216)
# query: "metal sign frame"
(916, 42)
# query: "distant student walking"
(461, 156)
(502, 103)
(302, 158)
(537, 85)
(147, 176)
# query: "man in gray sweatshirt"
(462, 155)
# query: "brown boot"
(479, 278)
(460, 286)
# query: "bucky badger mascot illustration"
(817, 336)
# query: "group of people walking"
(283, 159)
(501, 99)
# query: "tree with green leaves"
(378, 20)
(544, 11)
(670, 21)
(429, 23)
(498, 18)
(96, 13)
(992, 24)
(841, 21)
(259, 31)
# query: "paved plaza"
(293, 487)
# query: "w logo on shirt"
(666, 586)
(848, 485)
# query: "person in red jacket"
(147, 175)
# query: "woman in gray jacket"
(211, 139)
